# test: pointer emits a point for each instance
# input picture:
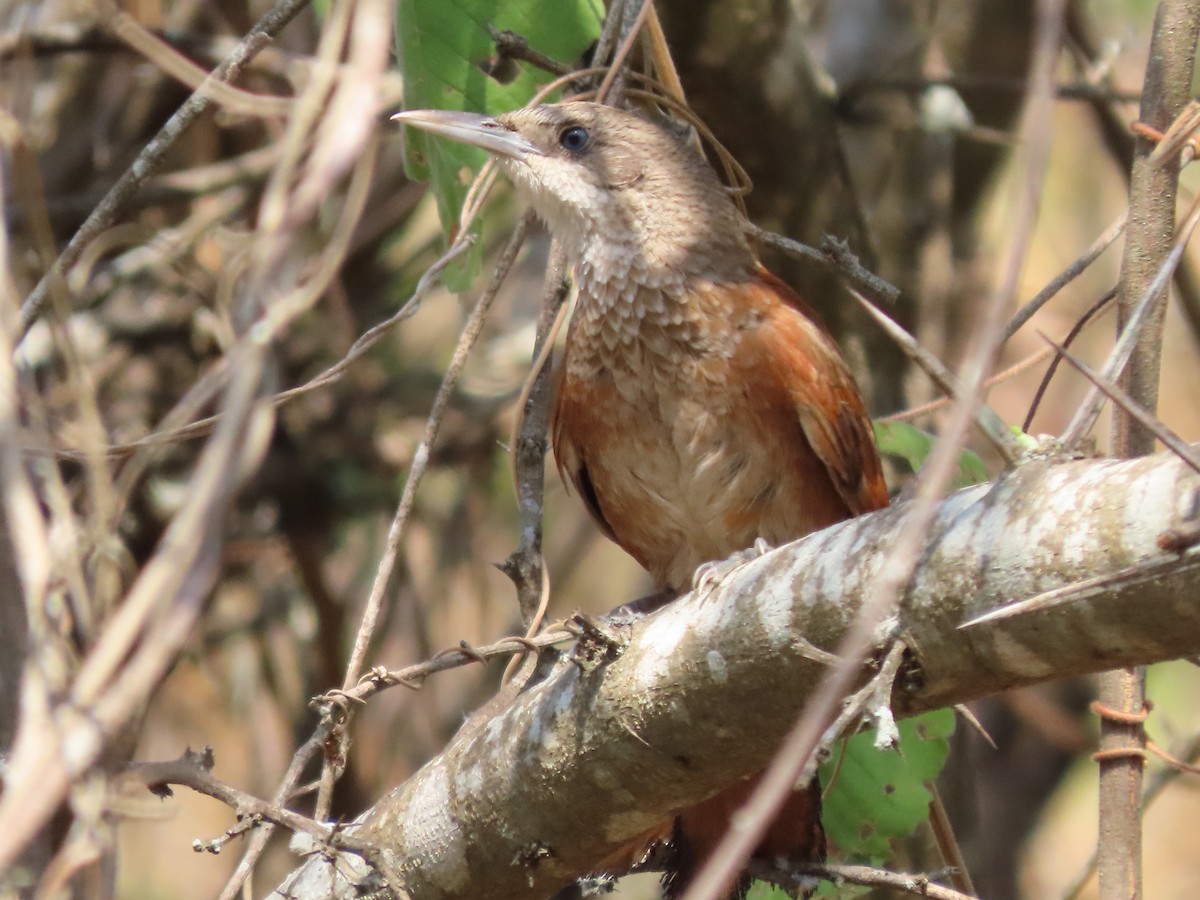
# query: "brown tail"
(795, 835)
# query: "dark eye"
(574, 138)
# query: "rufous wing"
(804, 361)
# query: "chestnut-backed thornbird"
(701, 406)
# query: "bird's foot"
(628, 613)
(711, 574)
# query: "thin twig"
(1080, 590)
(610, 34)
(283, 794)
(1177, 143)
(1000, 377)
(1069, 274)
(413, 676)
(834, 257)
(659, 52)
(947, 843)
(1094, 310)
(194, 770)
(613, 81)
(510, 45)
(1131, 407)
(182, 69)
(800, 877)
(525, 566)
(989, 422)
(387, 562)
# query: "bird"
(702, 407)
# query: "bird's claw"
(627, 614)
(711, 574)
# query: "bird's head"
(621, 192)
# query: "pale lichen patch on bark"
(774, 612)
(1071, 547)
(494, 731)
(657, 644)
(608, 781)
(1159, 490)
(471, 778)
(717, 667)
(544, 739)
(827, 582)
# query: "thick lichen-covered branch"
(611, 739)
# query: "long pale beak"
(470, 128)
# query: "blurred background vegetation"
(890, 125)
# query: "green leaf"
(913, 445)
(442, 45)
(878, 796)
(762, 890)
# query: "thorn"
(970, 718)
(989, 422)
(1085, 417)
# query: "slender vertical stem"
(530, 439)
(1149, 237)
